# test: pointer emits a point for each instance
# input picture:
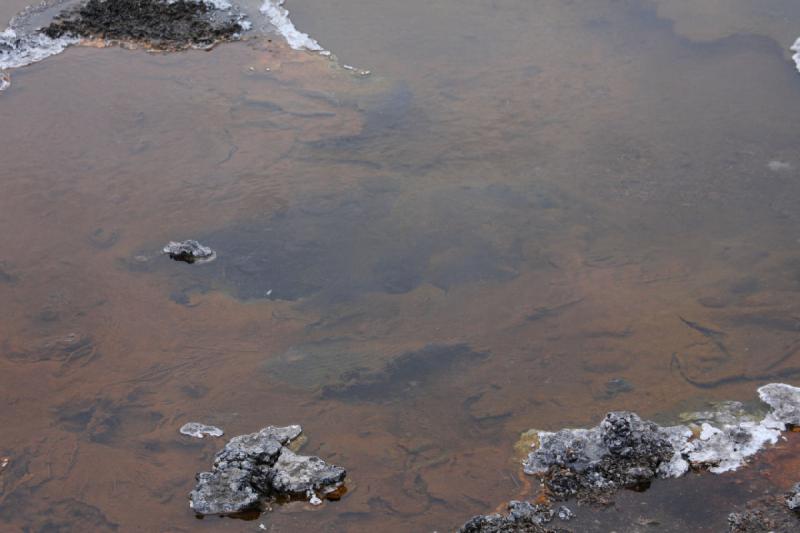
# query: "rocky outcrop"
(189, 251)
(255, 467)
(624, 451)
(522, 517)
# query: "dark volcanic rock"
(623, 451)
(523, 517)
(157, 23)
(258, 466)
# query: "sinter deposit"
(252, 468)
(198, 430)
(626, 451)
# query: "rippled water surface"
(530, 213)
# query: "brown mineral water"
(530, 213)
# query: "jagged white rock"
(784, 401)
(198, 430)
(20, 50)
(279, 17)
(727, 446)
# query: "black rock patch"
(161, 25)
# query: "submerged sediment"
(255, 467)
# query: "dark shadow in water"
(6, 276)
(389, 112)
(404, 374)
(339, 247)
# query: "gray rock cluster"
(254, 467)
(522, 517)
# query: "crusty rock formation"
(252, 468)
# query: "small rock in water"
(793, 498)
(189, 251)
(251, 468)
(198, 430)
(565, 513)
